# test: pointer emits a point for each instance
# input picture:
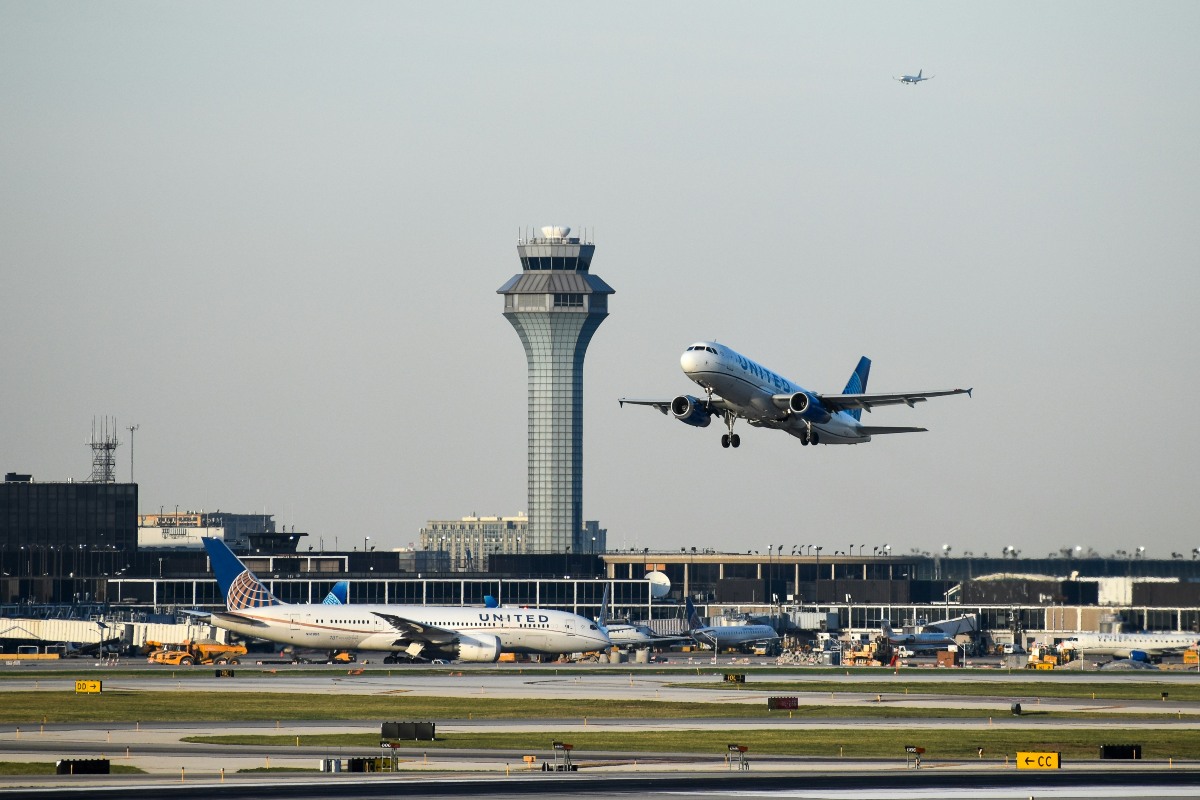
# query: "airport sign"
(89, 687)
(1033, 760)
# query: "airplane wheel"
(815, 440)
(724, 440)
(735, 440)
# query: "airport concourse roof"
(746, 558)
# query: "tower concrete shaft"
(555, 305)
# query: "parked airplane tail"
(858, 383)
(339, 595)
(602, 617)
(238, 584)
(693, 619)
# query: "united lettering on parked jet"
(529, 618)
(737, 387)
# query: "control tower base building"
(555, 304)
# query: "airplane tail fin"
(919, 73)
(885, 627)
(858, 383)
(693, 618)
(490, 601)
(339, 595)
(239, 585)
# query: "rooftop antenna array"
(104, 449)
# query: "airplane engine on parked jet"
(483, 647)
(691, 411)
(807, 407)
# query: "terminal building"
(472, 543)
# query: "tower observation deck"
(555, 304)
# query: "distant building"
(244, 533)
(67, 516)
(470, 542)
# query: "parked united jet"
(719, 637)
(913, 80)
(737, 388)
(404, 631)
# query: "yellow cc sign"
(1031, 760)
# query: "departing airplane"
(722, 636)
(404, 631)
(913, 80)
(738, 388)
(1136, 646)
(915, 641)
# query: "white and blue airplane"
(1136, 646)
(720, 637)
(737, 388)
(913, 80)
(403, 631)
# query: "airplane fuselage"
(365, 627)
(751, 388)
(1124, 645)
(720, 637)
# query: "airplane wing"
(718, 404)
(662, 405)
(411, 631)
(845, 402)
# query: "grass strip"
(29, 709)
(1073, 744)
(50, 768)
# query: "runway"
(157, 747)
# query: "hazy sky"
(271, 234)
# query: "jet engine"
(807, 407)
(691, 411)
(482, 647)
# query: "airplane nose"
(689, 361)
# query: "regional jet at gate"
(404, 631)
(913, 80)
(720, 637)
(1136, 646)
(737, 388)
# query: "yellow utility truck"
(189, 652)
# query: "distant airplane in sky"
(913, 80)
(738, 388)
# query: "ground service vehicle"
(190, 652)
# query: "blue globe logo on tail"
(238, 584)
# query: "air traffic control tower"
(556, 305)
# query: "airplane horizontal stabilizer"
(872, 430)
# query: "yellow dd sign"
(89, 687)
(1037, 760)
